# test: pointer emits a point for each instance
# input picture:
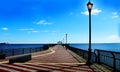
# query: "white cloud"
(5, 28)
(48, 31)
(115, 15)
(94, 12)
(35, 31)
(27, 29)
(113, 37)
(43, 22)
(85, 13)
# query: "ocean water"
(84, 46)
(102, 46)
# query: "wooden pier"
(55, 59)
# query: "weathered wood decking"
(56, 54)
(56, 58)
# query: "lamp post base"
(89, 55)
(88, 62)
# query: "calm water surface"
(102, 46)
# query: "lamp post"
(89, 6)
(66, 39)
(63, 41)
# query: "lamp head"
(89, 6)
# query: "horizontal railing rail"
(108, 58)
(84, 53)
(18, 51)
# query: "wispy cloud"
(43, 22)
(113, 38)
(51, 32)
(4, 28)
(115, 15)
(27, 29)
(94, 12)
(35, 31)
(32, 30)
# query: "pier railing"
(109, 58)
(18, 51)
(84, 54)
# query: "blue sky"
(47, 21)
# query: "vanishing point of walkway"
(55, 59)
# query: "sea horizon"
(84, 46)
(64, 43)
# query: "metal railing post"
(1, 51)
(23, 50)
(98, 57)
(30, 50)
(13, 52)
(114, 62)
(36, 49)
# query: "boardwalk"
(55, 59)
(57, 54)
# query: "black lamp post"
(89, 6)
